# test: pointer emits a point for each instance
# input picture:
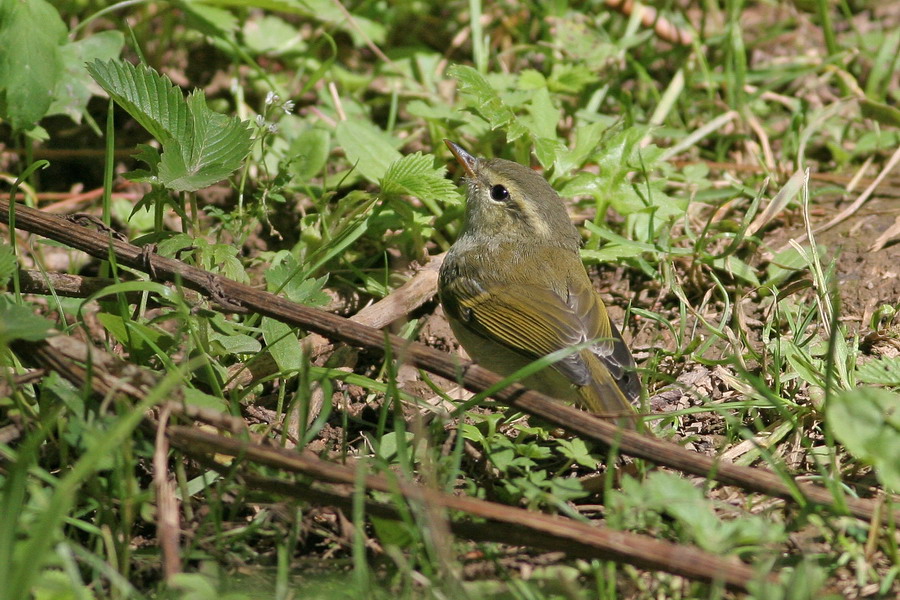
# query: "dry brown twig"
(505, 524)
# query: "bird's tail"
(603, 396)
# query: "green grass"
(327, 134)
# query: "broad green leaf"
(210, 20)
(737, 268)
(271, 35)
(867, 422)
(309, 152)
(150, 98)
(366, 147)
(445, 114)
(394, 533)
(587, 137)
(195, 397)
(576, 450)
(21, 323)
(31, 34)
(543, 115)
(236, 343)
(138, 338)
(885, 371)
(416, 175)
(282, 344)
(215, 146)
(282, 278)
(883, 113)
(73, 90)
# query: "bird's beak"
(467, 161)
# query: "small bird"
(514, 290)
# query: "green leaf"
(271, 35)
(543, 116)
(885, 371)
(282, 344)
(20, 323)
(367, 147)
(486, 101)
(7, 263)
(195, 397)
(31, 34)
(611, 253)
(867, 422)
(309, 152)
(73, 90)
(150, 98)
(214, 147)
(235, 343)
(416, 175)
(140, 340)
(883, 113)
(737, 268)
(281, 277)
(576, 450)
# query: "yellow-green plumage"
(514, 289)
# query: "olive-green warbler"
(514, 290)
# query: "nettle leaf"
(885, 371)
(416, 175)
(31, 33)
(486, 101)
(215, 147)
(150, 98)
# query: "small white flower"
(260, 120)
(288, 107)
(272, 98)
(273, 128)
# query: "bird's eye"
(499, 193)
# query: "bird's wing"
(536, 321)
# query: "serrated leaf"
(544, 116)
(867, 422)
(486, 101)
(885, 371)
(150, 98)
(366, 147)
(281, 278)
(416, 175)
(31, 34)
(213, 148)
